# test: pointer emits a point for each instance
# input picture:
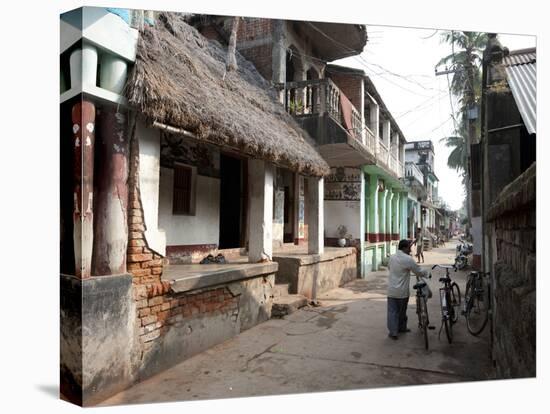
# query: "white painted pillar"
(260, 178)
(375, 123)
(113, 73)
(361, 110)
(315, 206)
(386, 134)
(396, 210)
(395, 145)
(83, 67)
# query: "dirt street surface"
(341, 345)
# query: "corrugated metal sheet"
(517, 58)
(521, 72)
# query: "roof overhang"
(333, 41)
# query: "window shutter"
(182, 190)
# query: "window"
(183, 190)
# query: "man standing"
(400, 265)
(419, 241)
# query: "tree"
(465, 60)
(466, 65)
(458, 159)
(231, 62)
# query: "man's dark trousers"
(397, 315)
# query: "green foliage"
(466, 62)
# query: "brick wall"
(250, 34)
(350, 85)
(157, 307)
(512, 220)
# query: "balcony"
(412, 171)
(320, 96)
(331, 120)
(389, 160)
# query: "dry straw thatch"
(179, 79)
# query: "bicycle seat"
(444, 279)
(419, 285)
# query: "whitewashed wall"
(203, 227)
(149, 181)
(339, 212)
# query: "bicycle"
(449, 297)
(476, 303)
(422, 308)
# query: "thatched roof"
(178, 80)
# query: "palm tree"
(458, 157)
(465, 61)
(466, 64)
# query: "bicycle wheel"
(447, 318)
(477, 312)
(423, 319)
(454, 307)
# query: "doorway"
(232, 201)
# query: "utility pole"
(468, 141)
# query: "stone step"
(285, 305)
(280, 289)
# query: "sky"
(401, 63)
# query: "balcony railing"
(411, 170)
(389, 159)
(319, 96)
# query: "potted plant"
(342, 234)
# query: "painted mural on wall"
(178, 149)
(343, 184)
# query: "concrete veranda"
(340, 345)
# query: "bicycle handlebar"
(445, 267)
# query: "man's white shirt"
(400, 266)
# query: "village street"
(340, 345)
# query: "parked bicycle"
(449, 297)
(476, 302)
(423, 293)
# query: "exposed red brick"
(148, 319)
(140, 257)
(155, 301)
(133, 266)
(141, 272)
(137, 226)
(137, 243)
(135, 250)
(152, 263)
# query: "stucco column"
(111, 223)
(374, 123)
(396, 212)
(83, 120)
(278, 56)
(260, 179)
(404, 214)
(373, 209)
(382, 215)
(316, 224)
(386, 134)
(389, 214)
